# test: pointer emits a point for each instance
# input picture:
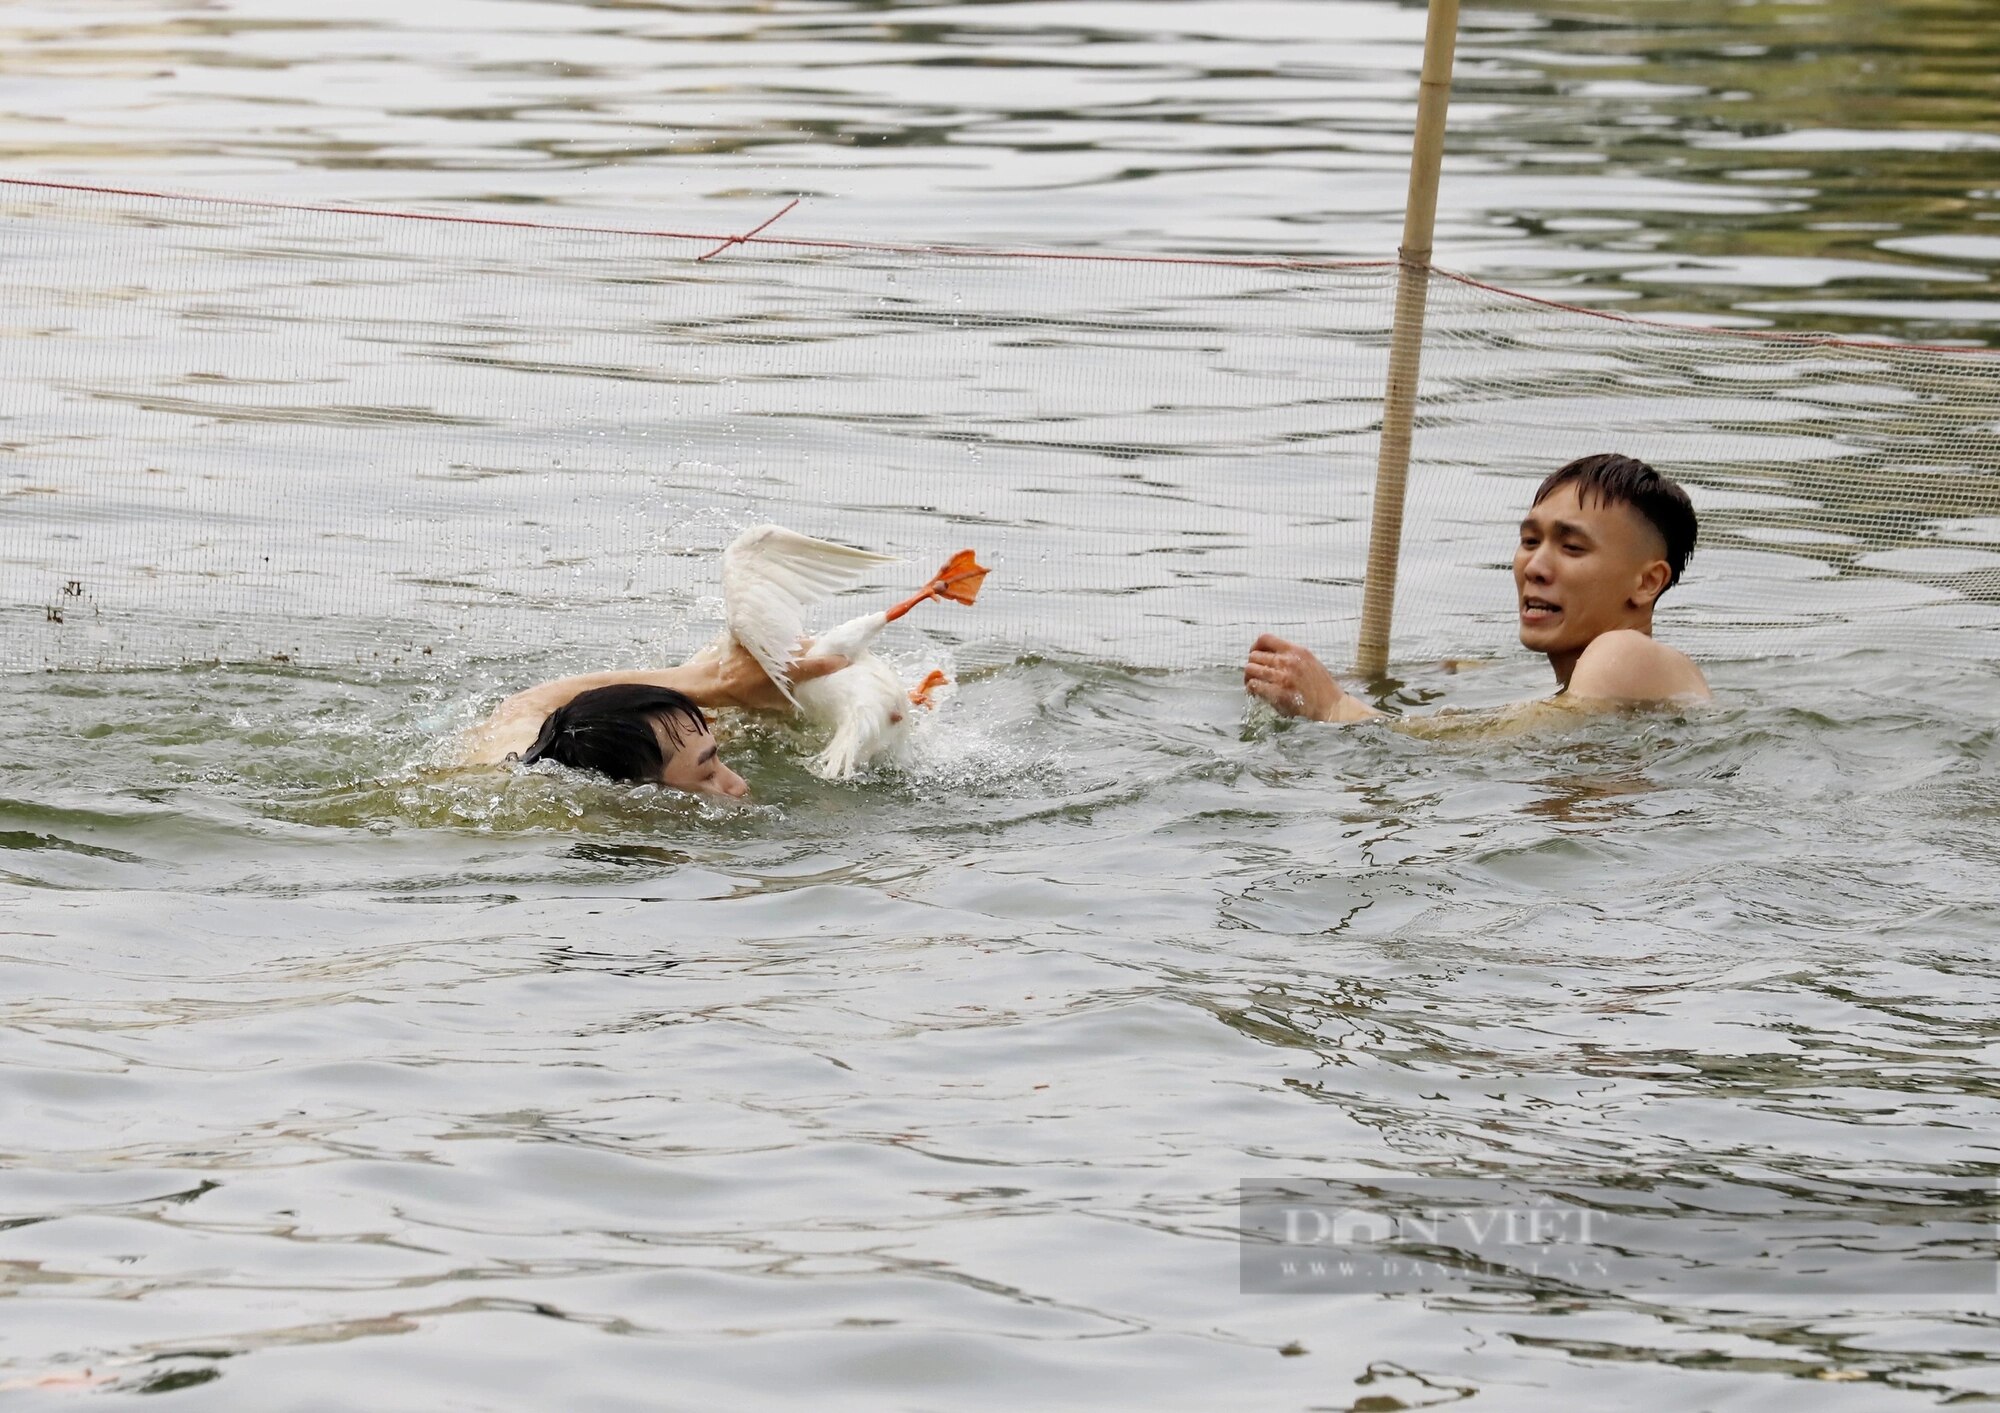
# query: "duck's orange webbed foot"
(960, 578)
(933, 680)
(958, 581)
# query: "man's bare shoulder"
(509, 731)
(516, 722)
(1626, 665)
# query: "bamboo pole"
(1406, 340)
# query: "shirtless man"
(644, 727)
(1605, 537)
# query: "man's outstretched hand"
(740, 680)
(1293, 681)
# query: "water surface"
(1806, 165)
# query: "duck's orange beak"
(958, 581)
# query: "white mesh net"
(236, 433)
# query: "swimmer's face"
(1584, 569)
(698, 769)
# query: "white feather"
(868, 708)
(865, 702)
(770, 577)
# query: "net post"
(1406, 340)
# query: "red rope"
(748, 236)
(753, 237)
(1779, 335)
(877, 247)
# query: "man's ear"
(1652, 582)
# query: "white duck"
(770, 577)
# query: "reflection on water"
(1824, 164)
(1833, 161)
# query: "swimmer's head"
(639, 734)
(1606, 536)
(1611, 479)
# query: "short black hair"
(616, 731)
(1611, 479)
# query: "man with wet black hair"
(1605, 537)
(639, 734)
(646, 727)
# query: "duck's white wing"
(770, 577)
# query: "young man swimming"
(1605, 537)
(644, 727)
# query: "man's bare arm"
(731, 680)
(1629, 666)
(1621, 666)
(1296, 683)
